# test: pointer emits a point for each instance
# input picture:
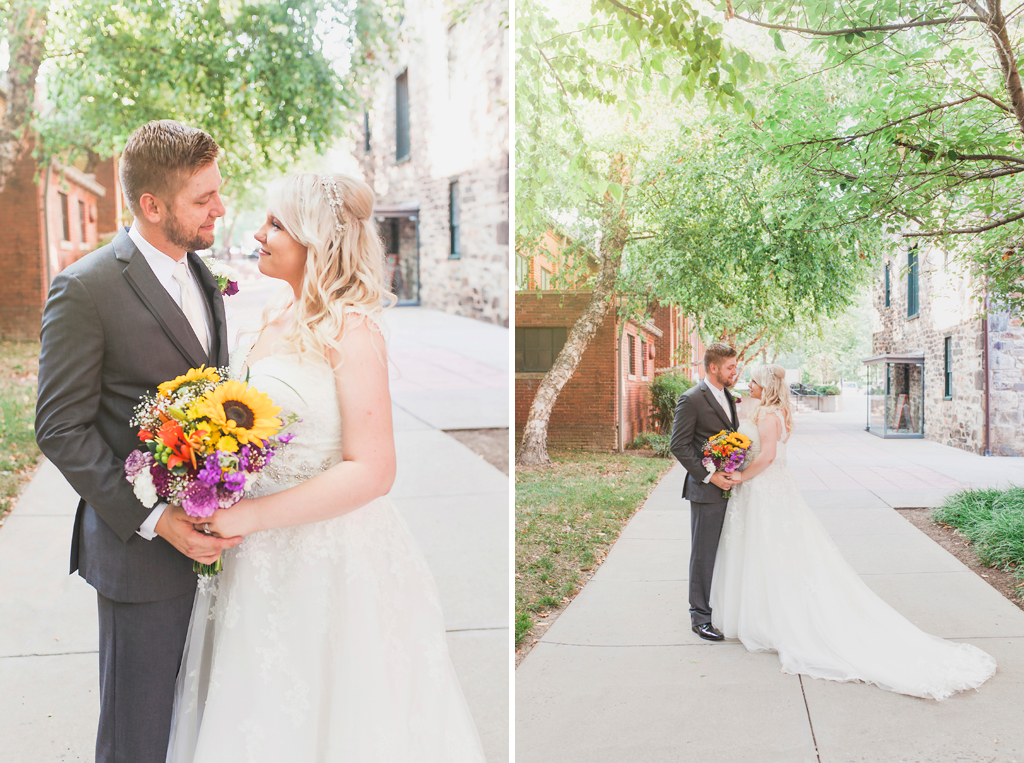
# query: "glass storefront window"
(895, 395)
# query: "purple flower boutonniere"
(227, 276)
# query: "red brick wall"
(24, 283)
(64, 252)
(584, 414)
(636, 412)
(108, 207)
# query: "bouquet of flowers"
(206, 437)
(725, 452)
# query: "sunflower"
(241, 411)
(194, 374)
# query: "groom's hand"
(175, 526)
(719, 479)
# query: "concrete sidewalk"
(455, 503)
(620, 677)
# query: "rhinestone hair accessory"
(330, 186)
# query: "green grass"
(993, 522)
(19, 365)
(567, 517)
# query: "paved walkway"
(619, 677)
(454, 501)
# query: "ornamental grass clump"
(993, 521)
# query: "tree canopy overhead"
(258, 76)
(913, 114)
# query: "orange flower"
(173, 436)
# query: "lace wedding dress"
(780, 584)
(320, 643)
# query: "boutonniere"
(736, 398)
(227, 277)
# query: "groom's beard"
(179, 236)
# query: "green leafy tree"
(566, 78)
(258, 76)
(912, 113)
(736, 242)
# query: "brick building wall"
(22, 253)
(110, 206)
(947, 308)
(458, 95)
(82, 234)
(586, 413)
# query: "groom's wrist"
(148, 528)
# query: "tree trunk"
(26, 37)
(533, 450)
(995, 21)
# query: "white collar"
(715, 389)
(161, 264)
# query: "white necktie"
(189, 304)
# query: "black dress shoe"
(708, 632)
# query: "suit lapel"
(709, 396)
(156, 299)
(211, 290)
(732, 408)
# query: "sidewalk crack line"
(810, 723)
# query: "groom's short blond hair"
(716, 353)
(160, 157)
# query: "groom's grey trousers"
(110, 333)
(706, 521)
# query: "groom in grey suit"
(137, 312)
(702, 412)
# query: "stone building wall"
(948, 308)
(459, 131)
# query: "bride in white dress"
(322, 640)
(780, 583)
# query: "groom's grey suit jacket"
(111, 333)
(698, 417)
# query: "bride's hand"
(231, 522)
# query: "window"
(65, 217)
(455, 251)
(912, 275)
(632, 355)
(81, 219)
(543, 279)
(643, 358)
(366, 132)
(402, 116)
(888, 287)
(522, 272)
(948, 374)
(537, 348)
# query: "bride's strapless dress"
(320, 643)
(780, 584)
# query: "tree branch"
(955, 231)
(842, 32)
(848, 138)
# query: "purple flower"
(234, 481)
(227, 498)
(210, 473)
(286, 438)
(231, 289)
(137, 461)
(243, 458)
(199, 499)
(161, 479)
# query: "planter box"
(830, 403)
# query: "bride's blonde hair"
(332, 216)
(774, 393)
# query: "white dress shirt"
(720, 397)
(162, 266)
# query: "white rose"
(222, 269)
(144, 489)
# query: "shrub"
(993, 520)
(659, 443)
(828, 389)
(665, 390)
